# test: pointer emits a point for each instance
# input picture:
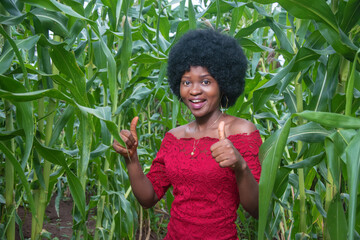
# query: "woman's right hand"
(130, 139)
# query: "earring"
(222, 109)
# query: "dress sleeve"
(157, 174)
(248, 145)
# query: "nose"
(195, 89)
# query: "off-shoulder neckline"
(211, 138)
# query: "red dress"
(206, 196)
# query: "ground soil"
(58, 226)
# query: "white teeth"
(196, 101)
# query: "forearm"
(248, 190)
(141, 185)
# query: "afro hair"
(219, 53)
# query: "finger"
(133, 127)
(221, 129)
(128, 138)
(221, 145)
(118, 147)
(215, 146)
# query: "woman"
(212, 162)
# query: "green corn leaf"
(268, 175)
(125, 205)
(99, 151)
(268, 22)
(84, 142)
(38, 168)
(280, 75)
(336, 220)
(7, 135)
(69, 131)
(235, 18)
(53, 21)
(281, 181)
(140, 93)
(57, 157)
(339, 41)
(24, 112)
(351, 15)
(218, 14)
(30, 96)
(125, 54)
(331, 119)
(290, 99)
(308, 162)
(261, 96)
(353, 168)
(66, 63)
(8, 53)
(12, 20)
(267, 146)
(309, 132)
(308, 9)
(253, 46)
(284, 42)
(46, 4)
(265, 1)
(219, 6)
(243, 32)
(192, 20)
(18, 55)
(325, 84)
(69, 86)
(165, 27)
(335, 144)
(102, 114)
(350, 87)
(27, 43)
(147, 58)
(304, 58)
(111, 81)
(60, 124)
(6, 57)
(21, 175)
(11, 7)
(175, 111)
(76, 6)
(67, 9)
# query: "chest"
(199, 168)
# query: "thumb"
(133, 127)
(221, 129)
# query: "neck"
(207, 122)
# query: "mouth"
(197, 103)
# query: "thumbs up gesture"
(130, 139)
(224, 152)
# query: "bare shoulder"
(179, 131)
(237, 125)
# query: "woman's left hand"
(224, 152)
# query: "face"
(200, 92)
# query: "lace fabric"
(206, 196)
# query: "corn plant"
(75, 72)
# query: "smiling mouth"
(197, 103)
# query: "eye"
(206, 82)
(185, 82)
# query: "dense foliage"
(74, 72)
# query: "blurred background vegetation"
(75, 72)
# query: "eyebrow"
(206, 75)
(202, 76)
